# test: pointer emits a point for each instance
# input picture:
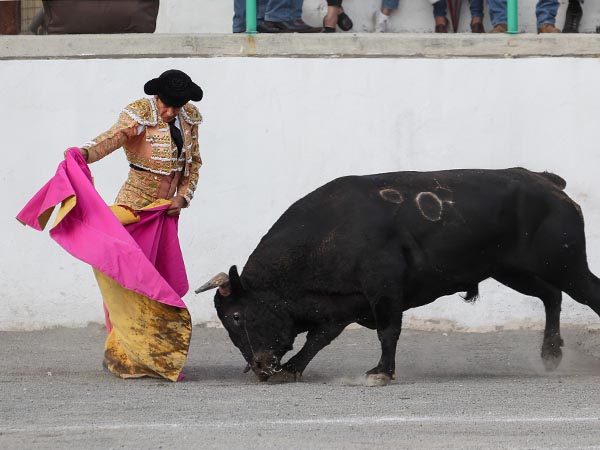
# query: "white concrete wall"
(277, 128)
(214, 16)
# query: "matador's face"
(166, 112)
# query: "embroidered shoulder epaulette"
(143, 111)
(191, 114)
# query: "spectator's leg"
(389, 6)
(261, 7)
(298, 8)
(281, 10)
(439, 15)
(239, 16)
(476, 7)
(286, 16)
(381, 17)
(545, 12)
(334, 8)
(498, 15)
(37, 21)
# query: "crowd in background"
(273, 16)
(285, 16)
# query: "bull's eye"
(236, 317)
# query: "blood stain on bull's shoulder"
(430, 205)
(391, 195)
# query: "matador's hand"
(83, 151)
(176, 205)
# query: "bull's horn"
(219, 280)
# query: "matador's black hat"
(174, 88)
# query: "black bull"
(365, 249)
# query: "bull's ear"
(234, 280)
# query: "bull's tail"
(472, 294)
(557, 181)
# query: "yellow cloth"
(147, 338)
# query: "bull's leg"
(559, 249)
(388, 312)
(570, 272)
(585, 289)
(389, 325)
(551, 347)
(382, 286)
(531, 285)
(316, 340)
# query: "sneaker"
(548, 28)
(382, 22)
(499, 28)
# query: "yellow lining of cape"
(65, 208)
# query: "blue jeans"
(476, 7)
(545, 11)
(439, 8)
(390, 4)
(271, 10)
(239, 14)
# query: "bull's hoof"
(552, 353)
(552, 360)
(262, 377)
(378, 379)
(285, 376)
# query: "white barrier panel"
(277, 128)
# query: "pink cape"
(144, 257)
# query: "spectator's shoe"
(344, 22)
(499, 28)
(382, 22)
(573, 17)
(442, 27)
(477, 27)
(548, 28)
(293, 26)
(262, 26)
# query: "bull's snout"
(265, 364)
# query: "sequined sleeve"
(112, 139)
(135, 115)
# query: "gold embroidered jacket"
(165, 174)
